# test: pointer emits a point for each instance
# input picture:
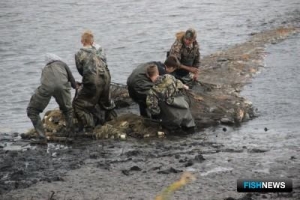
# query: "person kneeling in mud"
(166, 102)
(186, 50)
(96, 79)
(55, 81)
(139, 83)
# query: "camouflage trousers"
(89, 99)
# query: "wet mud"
(141, 168)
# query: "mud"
(142, 168)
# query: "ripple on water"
(132, 32)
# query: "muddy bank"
(140, 169)
(135, 170)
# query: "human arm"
(180, 85)
(191, 69)
(71, 78)
(197, 60)
(152, 103)
(100, 52)
(197, 57)
(78, 64)
(176, 49)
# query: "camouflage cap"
(190, 34)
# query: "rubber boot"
(110, 115)
(70, 131)
(41, 133)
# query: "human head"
(50, 57)
(189, 36)
(87, 38)
(152, 72)
(171, 64)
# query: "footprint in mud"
(197, 159)
(133, 153)
(133, 168)
(169, 171)
(257, 150)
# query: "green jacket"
(138, 82)
(90, 65)
(57, 74)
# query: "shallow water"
(131, 32)
(273, 138)
(275, 93)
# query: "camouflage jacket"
(165, 87)
(89, 62)
(189, 56)
(100, 52)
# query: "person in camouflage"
(166, 102)
(139, 83)
(186, 49)
(55, 81)
(91, 65)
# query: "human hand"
(195, 77)
(186, 87)
(78, 84)
(194, 70)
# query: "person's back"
(90, 65)
(54, 75)
(166, 102)
(55, 82)
(96, 79)
(138, 79)
(167, 86)
(139, 84)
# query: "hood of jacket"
(50, 57)
(180, 35)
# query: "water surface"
(131, 32)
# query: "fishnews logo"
(264, 185)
